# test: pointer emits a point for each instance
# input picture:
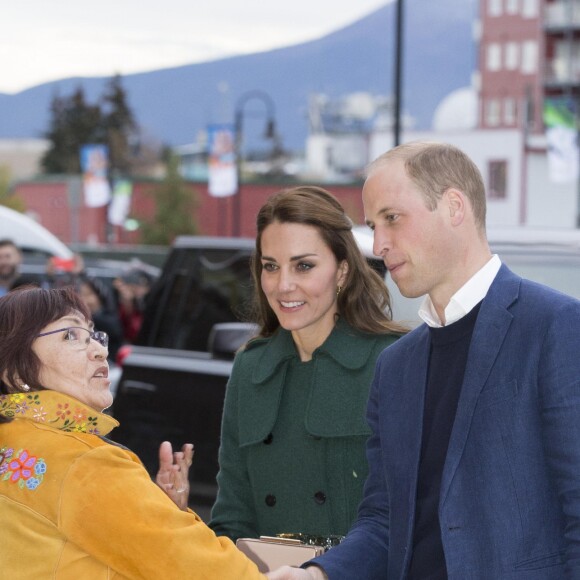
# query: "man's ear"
(457, 204)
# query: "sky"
(43, 41)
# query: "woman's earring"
(25, 387)
(338, 290)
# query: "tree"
(119, 126)
(175, 207)
(73, 124)
(6, 198)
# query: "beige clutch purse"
(269, 553)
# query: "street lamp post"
(398, 81)
(238, 128)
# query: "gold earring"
(338, 289)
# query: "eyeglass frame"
(97, 335)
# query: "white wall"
(482, 147)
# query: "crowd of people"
(116, 307)
(447, 452)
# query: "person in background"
(475, 448)
(101, 304)
(292, 456)
(132, 289)
(10, 260)
(61, 272)
(74, 504)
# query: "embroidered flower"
(26, 470)
(62, 411)
(33, 483)
(40, 467)
(46, 407)
(39, 414)
(80, 414)
(21, 466)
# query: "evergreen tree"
(175, 207)
(73, 123)
(119, 126)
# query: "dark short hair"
(24, 312)
(8, 242)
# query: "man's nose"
(381, 242)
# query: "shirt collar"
(56, 410)
(463, 301)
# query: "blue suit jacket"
(510, 492)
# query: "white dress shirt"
(464, 300)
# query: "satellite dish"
(360, 106)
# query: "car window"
(198, 288)
(553, 265)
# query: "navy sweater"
(447, 361)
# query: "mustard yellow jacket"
(75, 506)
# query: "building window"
(494, 56)
(512, 6)
(497, 176)
(512, 55)
(529, 57)
(530, 8)
(494, 7)
(492, 110)
(509, 112)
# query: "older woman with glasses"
(73, 504)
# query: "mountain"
(174, 104)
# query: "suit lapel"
(489, 333)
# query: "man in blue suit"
(475, 452)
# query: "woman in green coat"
(292, 455)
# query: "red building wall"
(57, 204)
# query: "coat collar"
(56, 410)
(341, 345)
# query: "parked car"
(173, 382)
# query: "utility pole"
(398, 73)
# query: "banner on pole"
(562, 140)
(121, 202)
(94, 165)
(222, 171)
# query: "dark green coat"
(292, 454)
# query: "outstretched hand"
(173, 474)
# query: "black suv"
(173, 382)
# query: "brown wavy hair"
(364, 302)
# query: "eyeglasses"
(79, 337)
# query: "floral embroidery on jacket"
(21, 468)
(66, 416)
